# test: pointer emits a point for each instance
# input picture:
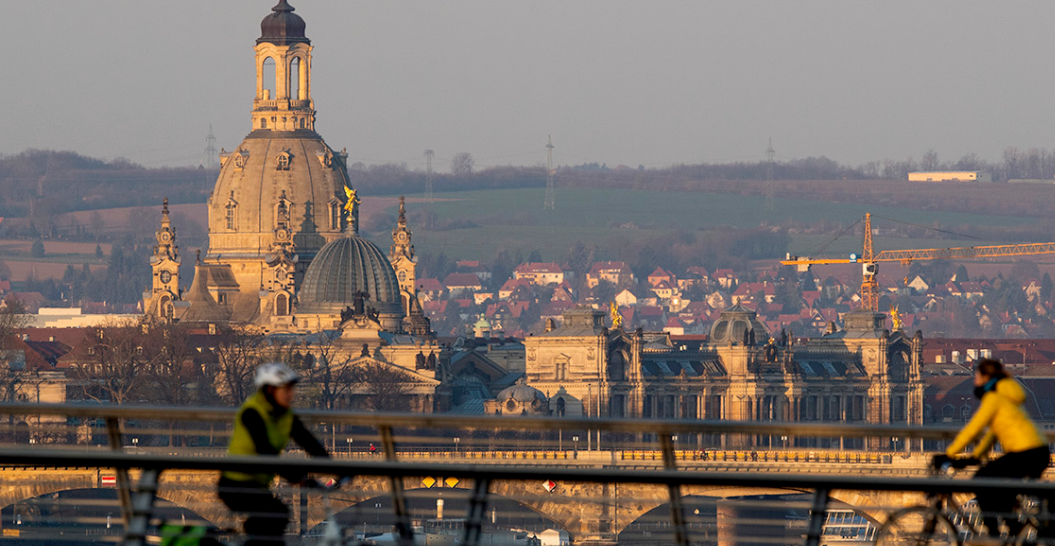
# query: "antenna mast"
(428, 186)
(550, 199)
(771, 154)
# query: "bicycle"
(939, 521)
(170, 534)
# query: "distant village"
(689, 301)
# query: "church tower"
(401, 254)
(280, 194)
(164, 264)
(283, 52)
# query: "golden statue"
(896, 318)
(617, 319)
(353, 201)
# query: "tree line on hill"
(44, 183)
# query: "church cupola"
(283, 74)
(282, 26)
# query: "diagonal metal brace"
(677, 508)
(142, 508)
(477, 512)
(404, 531)
(818, 513)
(124, 487)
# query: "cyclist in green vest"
(263, 426)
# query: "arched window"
(303, 123)
(281, 305)
(267, 79)
(263, 123)
(293, 77)
(947, 411)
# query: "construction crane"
(869, 260)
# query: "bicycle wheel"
(917, 526)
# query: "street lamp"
(135, 444)
(784, 441)
(894, 439)
(457, 441)
(349, 441)
(576, 440)
(377, 510)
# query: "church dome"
(282, 26)
(343, 267)
(733, 322)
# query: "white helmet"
(275, 374)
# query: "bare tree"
(462, 164)
(237, 356)
(330, 377)
(381, 388)
(116, 366)
(929, 161)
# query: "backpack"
(172, 534)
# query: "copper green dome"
(344, 267)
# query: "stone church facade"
(285, 253)
(285, 257)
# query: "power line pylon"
(550, 201)
(210, 150)
(771, 154)
(428, 187)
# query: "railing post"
(124, 496)
(677, 512)
(818, 513)
(399, 502)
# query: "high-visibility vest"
(278, 432)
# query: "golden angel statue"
(353, 201)
(895, 317)
(617, 319)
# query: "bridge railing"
(611, 470)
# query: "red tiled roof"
(462, 280)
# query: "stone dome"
(342, 268)
(733, 322)
(282, 26)
(243, 208)
(521, 394)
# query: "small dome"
(344, 267)
(521, 393)
(282, 26)
(733, 322)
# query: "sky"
(631, 82)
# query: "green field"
(515, 220)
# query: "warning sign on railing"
(108, 481)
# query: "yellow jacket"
(1008, 423)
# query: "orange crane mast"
(869, 260)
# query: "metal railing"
(61, 428)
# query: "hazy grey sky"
(630, 82)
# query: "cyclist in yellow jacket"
(1002, 419)
(263, 426)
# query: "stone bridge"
(590, 512)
